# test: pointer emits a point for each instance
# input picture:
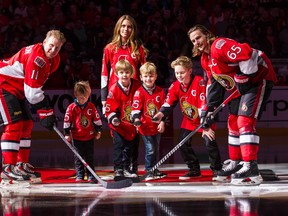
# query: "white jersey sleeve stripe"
(33, 95)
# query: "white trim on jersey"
(3, 114)
(15, 70)
(98, 122)
(33, 95)
(250, 66)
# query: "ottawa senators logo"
(84, 122)
(226, 81)
(127, 113)
(151, 109)
(188, 110)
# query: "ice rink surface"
(151, 198)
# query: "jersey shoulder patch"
(110, 95)
(137, 93)
(220, 43)
(39, 61)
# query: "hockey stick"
(185, 139)
(108, 185)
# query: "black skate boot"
(194, 172)
(247, 175)
(11, 175)
(229, 167)
(27, 168)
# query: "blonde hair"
(82, 88)
(57, 34)
(183, 61)
(124, 65)
(132, 40)
(210, 37)
(148, 68)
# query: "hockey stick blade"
(105, 184)
(185, 139)
(121, 178)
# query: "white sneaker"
(129, 174)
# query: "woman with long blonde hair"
(124, 45)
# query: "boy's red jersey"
(119, 103)
(82, 121)
(190, 101)
(148, 105)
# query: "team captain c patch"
(39, 61)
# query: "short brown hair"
(57, 34)
(148, 68)
(82, 88)
(124, 65)
(182, 61)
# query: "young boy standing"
(82, 124)
(146, 103)
(189, 91)
(118, 112)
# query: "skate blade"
(12, 184)
(121, 178)
(188, 178)
(221, 179)
(250, 181)
(35, 180)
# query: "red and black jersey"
(190, 101)
(146, 105)
(228, 57)
(82, 121)
(119, 103)
(25, 73)
(112, 54)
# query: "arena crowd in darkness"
(162, 26)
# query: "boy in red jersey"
(189, 91)
(118, 113)
(21, 80)
(82, 124)
(146, 103)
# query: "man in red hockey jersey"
(21, 80)
(231, 65)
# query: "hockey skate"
(12, 177)
(229, 167)
(247, 175)
(26, 168)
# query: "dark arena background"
(162, 27)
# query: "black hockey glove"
(243, 83)
(115, 122)
(47, 118)
(137, 123)
(206, 119)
